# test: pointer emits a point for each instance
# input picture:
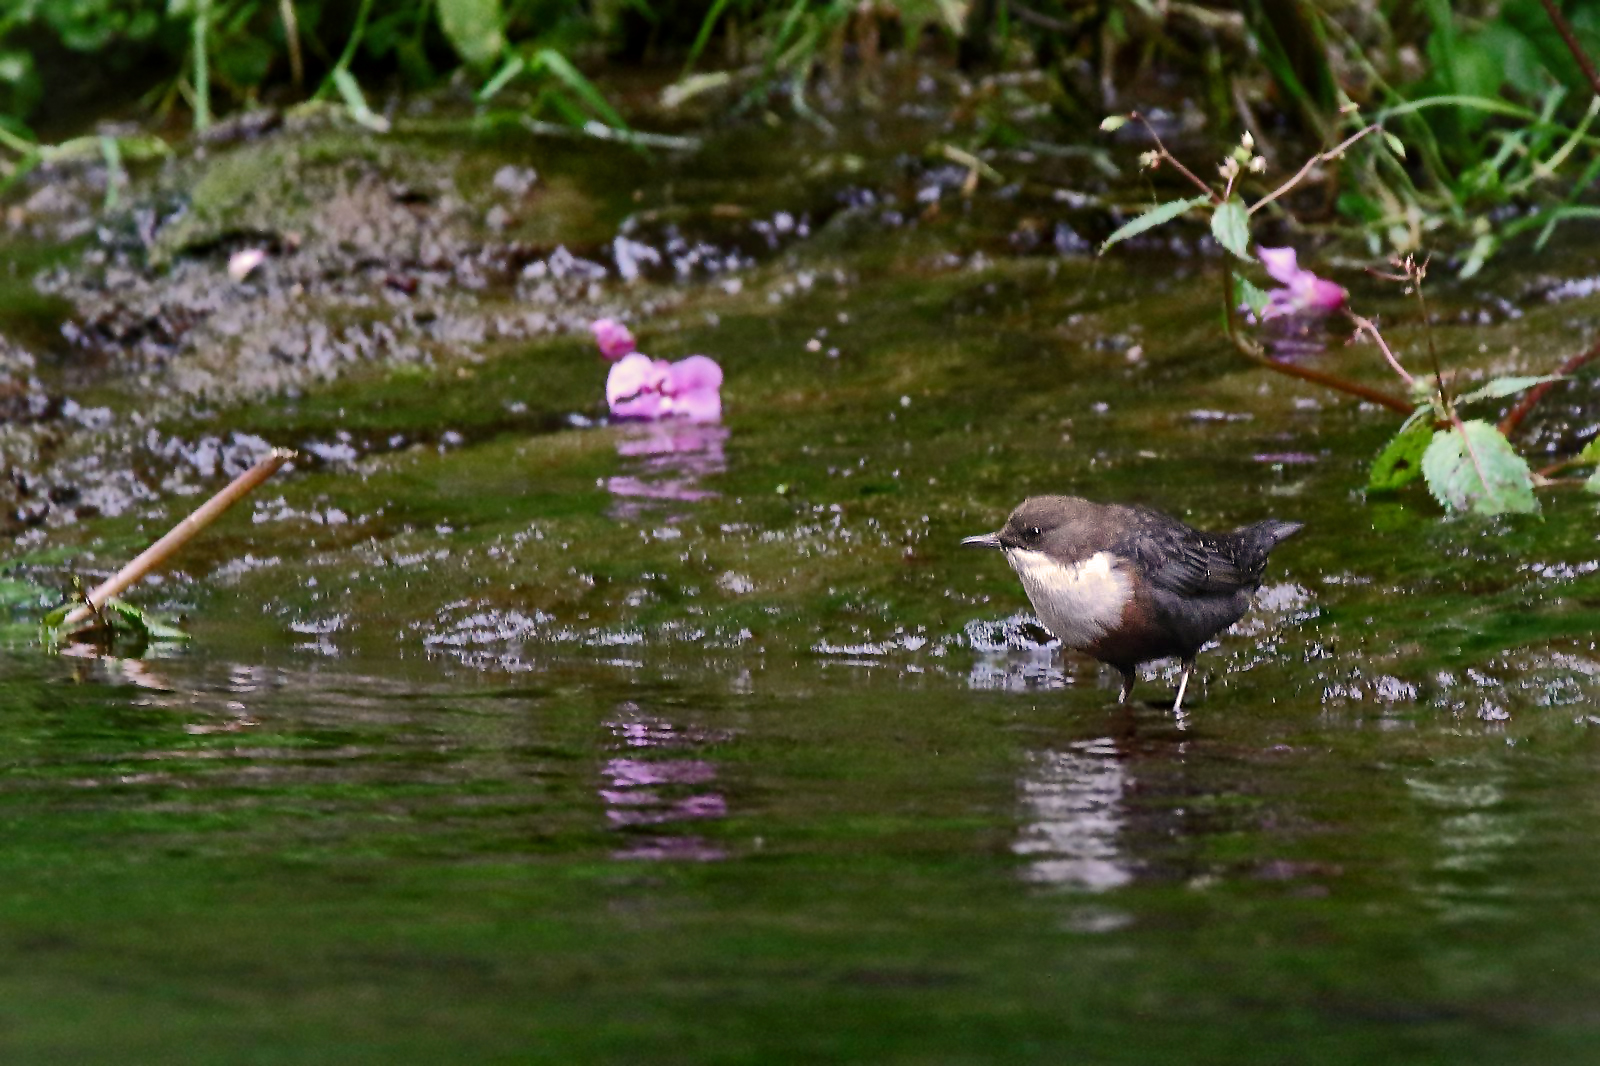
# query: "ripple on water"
(663, 782)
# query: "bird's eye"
(1033, 531)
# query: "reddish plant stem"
(1531, 398)
(1339, 384)
(1331, 153)
(1169, 157)
(1253, 352)
(1365, 325)
(1570, 39)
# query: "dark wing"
(1188, 562)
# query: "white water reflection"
(1073, 806)
(1476, 834)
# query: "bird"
(1128, 584)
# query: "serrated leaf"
(1473, 468)
(1250, 295)
(1400, 462)
(1152, 218)
(1501, 387)
(1230, 225)
(473, 29)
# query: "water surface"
(506, 734)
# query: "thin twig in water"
(177, 537)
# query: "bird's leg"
(1183, 685)
(1128, 678)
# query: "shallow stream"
(507, 735)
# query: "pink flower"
(613, 338)
(1302, 293)
(641, 387)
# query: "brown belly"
(1138, 637)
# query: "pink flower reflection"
(1302, 292)
(672, 849)
(613, 338)
(625, 773)
(659, 791)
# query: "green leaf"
(1231, 227)
(1400, 462)
(1425, 406)
(1501, 387)
(350, 90)
(1593, 484)
(569, 75)
(141, 622)
(473, 29)
(503, 77)
(1472, 467)
(1482, 248)
(1113, 123)
(1590, 453)
(1251, 295)
(1152, 218)
(1470, 103)
(1394, 144)
(707, 24)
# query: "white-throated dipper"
(1129, 584)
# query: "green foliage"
(356, 102)
(1499, 388)
(1249, 294)
(1149, 220)
(1590, 454)
(1472, 467)
(1468, 468)
(117, 620)
(222, 53)
(474, 29)
(1230, 225)
(1400, 462)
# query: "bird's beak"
(988, 540)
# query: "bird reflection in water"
(1073, 803)
(647, 790)
(662, 466)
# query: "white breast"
(1078, 603)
